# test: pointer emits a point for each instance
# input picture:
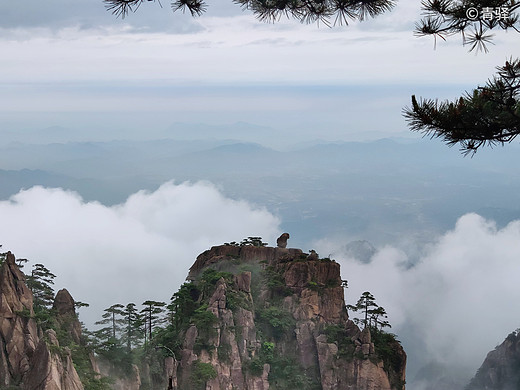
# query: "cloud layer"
(131, 252)
(457, 302)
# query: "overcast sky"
(60, 64)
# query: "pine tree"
(373, 315)
(132, 325)
(153, 315)
(40, 282)
(112, 317)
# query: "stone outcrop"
(18, 331)
(52, 367)
(28, 359)
(280, 322)
(501, 368)
(66, 315)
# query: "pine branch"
(328, 12)
(470, 18)
(489, 116)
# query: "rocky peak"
(278, 320)
(64, 303)
(66, 315)
(30, 360)
(246, 254)
(500, 368)
(18, 330)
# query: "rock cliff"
(501, 368)
(259, 318)
(30, 359)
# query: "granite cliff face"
(501, 368)
(275, 318)
(29, 358)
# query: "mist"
(450, 306)
(137, 250)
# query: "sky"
(81, 68)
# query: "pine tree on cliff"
(112, 316)
(40, 283)
(153, 315)
(374, 316)
(132, 325)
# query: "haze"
(127, 147)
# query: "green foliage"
(385, 345)
(183, 305)
(236, 299)
(40, 283)
(201, 373)
(278, 320)
(286, 373)
(25, 313)
(224, 353)
(3, 257)
(168, 337)
(331, 283)
(131, 326)
(204, 320)
(112, 317)
(338, 335)
(265, 356)
(89, 378)
(255, 366)
(268, 350)
(208, 280)
(275, 281)
(152, 315)
(253, 241)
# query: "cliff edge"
(259, 318)
(29, 358)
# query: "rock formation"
(66, 315)
(501, 368)
(281, 242)
(270, 318)
(51, 367)
(30, 360)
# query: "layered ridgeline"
(250, 317)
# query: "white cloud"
(131, 252)
(459, 299)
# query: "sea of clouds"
(138, 250)
(452, 304)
